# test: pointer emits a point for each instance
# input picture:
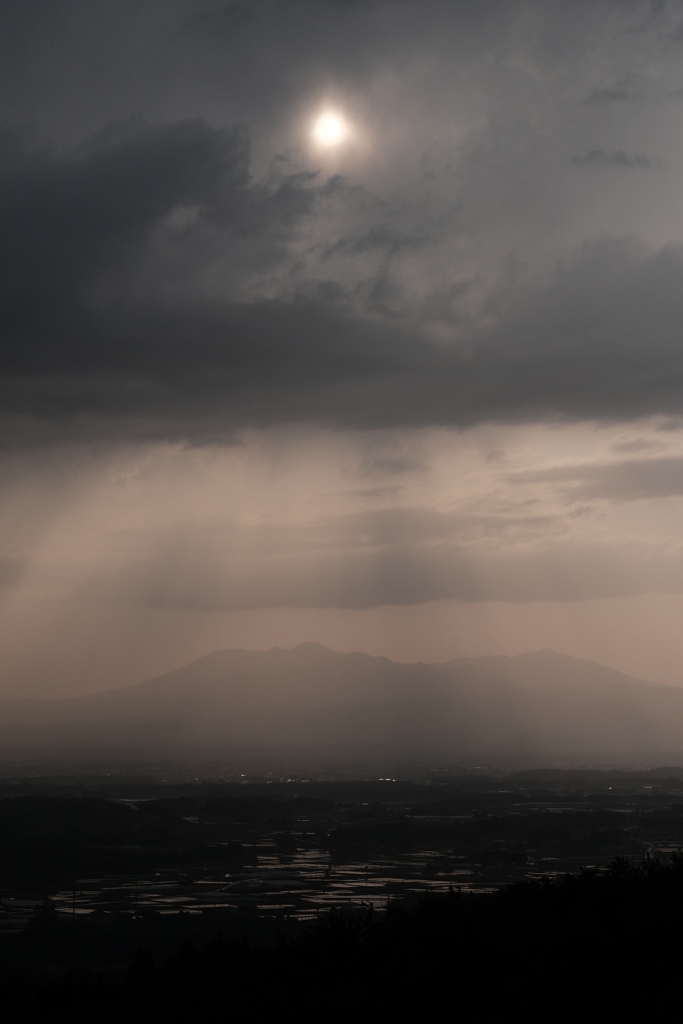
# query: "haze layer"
(313, 705)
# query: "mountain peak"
(311, 700)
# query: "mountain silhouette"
(314, 702)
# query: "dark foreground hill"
(599, 945)
(311, 702)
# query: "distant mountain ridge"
(309, 700)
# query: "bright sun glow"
(330, 130)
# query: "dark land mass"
(172, 892)
(597, 945)
(131, 899)
(310, 703)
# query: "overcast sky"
(417, 392)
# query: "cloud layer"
(115, 322)
(173, 279)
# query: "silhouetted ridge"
(604, 939)
(312, 701)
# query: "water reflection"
(310, 882)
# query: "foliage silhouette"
(609, 939)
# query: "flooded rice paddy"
(292, 852)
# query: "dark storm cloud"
(151, 281)
(617, 158)
(93, 343)
(230, 16)
(67, 223)
(239, 12)
(615, 95)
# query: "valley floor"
(90, 872)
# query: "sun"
(330, 129)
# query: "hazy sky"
(417, 392)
